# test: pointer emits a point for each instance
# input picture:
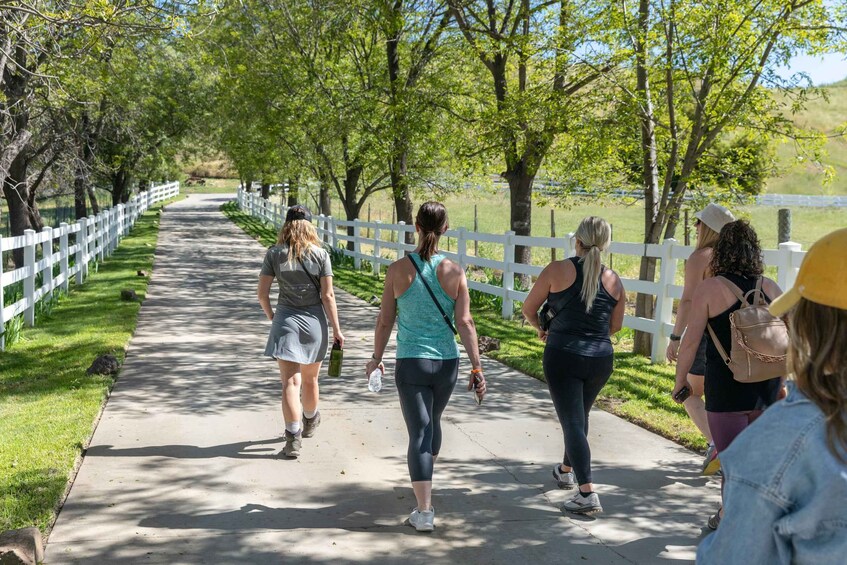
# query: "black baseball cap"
(298, 212)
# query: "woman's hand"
(542, 335)
(373, 364)
(672, 352)
(480, 385)
(338, 337)
(679, 386)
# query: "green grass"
(47, 402)
(637, 390)
(212, 186)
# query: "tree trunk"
(293, 189)
(400, 191)
(351, 203)
(645, 303)
(92, 197)
(266, 190)
(17, 199)
(520, 205)
(120, 187)
(35, 219)
(324, 201)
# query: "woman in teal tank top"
(427, 354)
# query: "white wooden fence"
(786, 259)
(94, 239)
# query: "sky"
(822, 70)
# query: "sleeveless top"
(421, 331)
(573, 329)
(724, 393)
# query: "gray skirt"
(299, 335)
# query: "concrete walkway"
(183, 466)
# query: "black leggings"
(424, 386)
(574, 382)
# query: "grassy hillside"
(826, 116)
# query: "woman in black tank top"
(731, 406)
(587, 302)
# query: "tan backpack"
(759, 341)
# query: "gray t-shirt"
(296, 288)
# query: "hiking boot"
(584, 504)
(564, 480)
(711, 463)
(422, 521)
(311, 424)
(292, 444)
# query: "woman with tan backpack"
(731, 405)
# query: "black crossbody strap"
(435, 300)
(311, 278)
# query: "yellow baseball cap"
(822, 278)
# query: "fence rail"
(93, 239)
(384, 251)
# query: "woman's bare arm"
(263, 293)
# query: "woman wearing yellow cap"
(785, 485)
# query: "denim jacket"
(785, 493)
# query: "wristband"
(476, 371)
(674, 337)
(375, 358)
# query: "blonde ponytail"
(595, 236)
(300, 236)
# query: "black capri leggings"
(424, 386)
(574, 382)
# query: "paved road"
(184, 466)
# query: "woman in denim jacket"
(785, 490)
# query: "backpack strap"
(434, 299)
(738, 294)
(734, 288)
(726, 358)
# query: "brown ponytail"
(432, 222)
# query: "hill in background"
(824, 116)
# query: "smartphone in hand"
(683, 394)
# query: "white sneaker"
(584, 504)
(422, 521)
(564, 480)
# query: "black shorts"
(699, 365)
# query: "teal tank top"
(421, 331)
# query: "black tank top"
(723, 392)
(573, 329)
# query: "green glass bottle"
(335, 358)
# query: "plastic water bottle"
(375, 380)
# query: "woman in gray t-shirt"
(298, 336)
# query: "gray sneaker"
(711, 463)
(292, 444)
(311, 424)
(584, 504)
(566, 481)
(422, 521)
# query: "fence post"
(664, 302)
(29, 279)
(357, 246)
(401, 239)
(508, 275)
(333, 232)
(784, 225)
(47, 253)
(377, 247)
(462, 247)
(79, 257)
(570, 245)
(63, 254)
(100, 236)
(787, 270)
(2, 301)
